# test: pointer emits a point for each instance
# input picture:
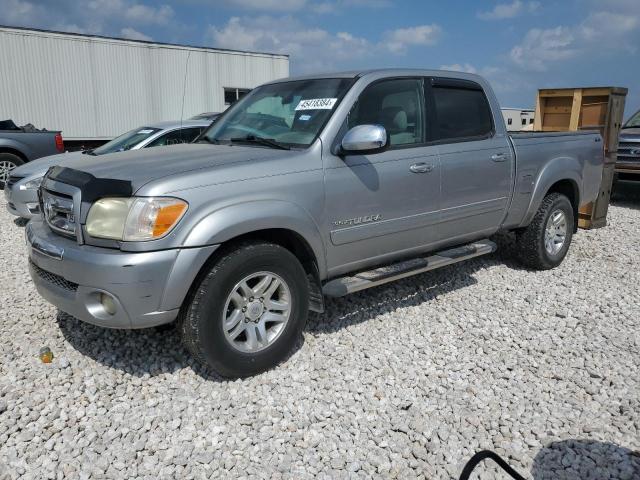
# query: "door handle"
(499, 157)
(421, 168)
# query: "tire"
(533, 249)
(8, 161)
(211, 304)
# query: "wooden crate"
(572, 109)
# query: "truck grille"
(53, 278)
(629, 152)
(58, 212)
(13, 179)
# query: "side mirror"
(365, 139)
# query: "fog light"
(108, 303)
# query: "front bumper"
(146, 289)
(22, 203)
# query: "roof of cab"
(390, 72)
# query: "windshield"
(126, 141)
(290, 113)
(634, 121)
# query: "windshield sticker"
(317, 104)
(144, 132)
(304, 118)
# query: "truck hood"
(39, 167)
(142, 166)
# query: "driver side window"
(395, 104)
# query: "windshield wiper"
(88, 152)
(267, 142)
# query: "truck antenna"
(184, 89)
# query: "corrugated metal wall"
(98, 88)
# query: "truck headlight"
(32, 184)
(134, 219)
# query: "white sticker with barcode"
(317, 104)
(144, 132)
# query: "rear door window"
(461, 113)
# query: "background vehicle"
(628, 162)
(19, 145)
(312, 186)
(97, 87)
(212, 116)
(23, 183)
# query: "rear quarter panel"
(543, 159)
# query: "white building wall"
(91, 87)
(513, 118)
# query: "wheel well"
(288, 239)
(17, 153)
(569, 189)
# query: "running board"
(372, 278)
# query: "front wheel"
(248, 311)
(8, 161)
(544, 243)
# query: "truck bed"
(30, 145)
(581, 152)
(528, 135)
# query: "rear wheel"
(545, 242)
(248, 311)
(8, 161)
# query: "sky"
(519, 45)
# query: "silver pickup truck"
(307, 187)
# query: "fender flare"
(17, 148)
(558, 169)
(239, 219)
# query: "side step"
(372, 278)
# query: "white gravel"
(403, 381)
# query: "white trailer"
(94, 88)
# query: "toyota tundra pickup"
(307, 187)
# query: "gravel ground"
(403, 381)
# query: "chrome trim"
(59, 213)
(43, 248)
(421, 167)
(364, 137)
(64, 190)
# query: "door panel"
(476, 161)
(378, 207)
(475, 186)
(381, 205)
